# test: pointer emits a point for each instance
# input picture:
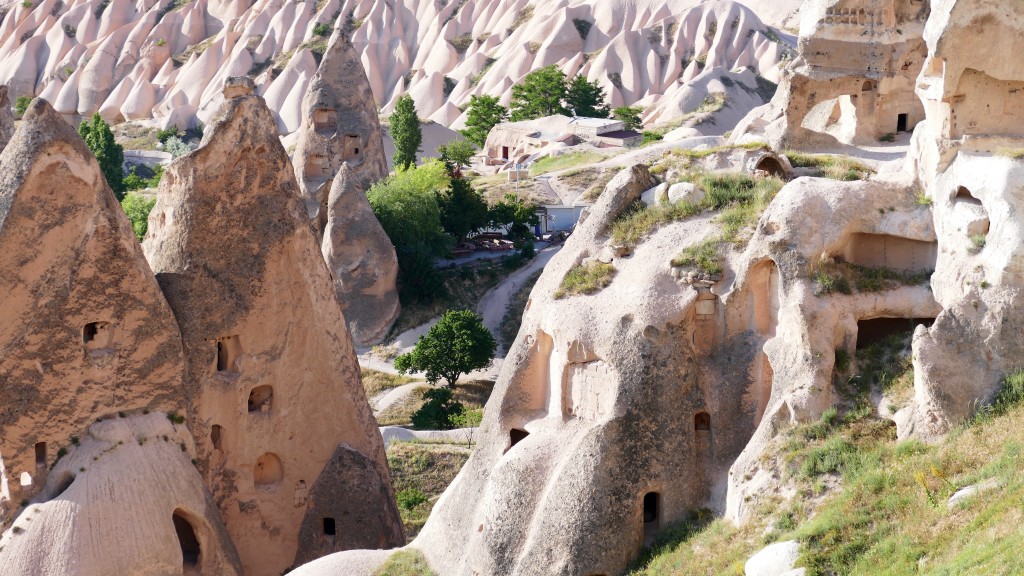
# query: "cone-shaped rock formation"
(362, 260)
(84, 328)
(271, 373)
(6, 118)
(339, 124)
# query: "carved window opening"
(228, 351)
(329, 527)
(325, 120)
(260, 399)
(351, 147)
(879, 329)
(187, 540)
(40, 454)
(702, 422)
(516, 436)
(268, 472)
(96, 336)
(215, 436)
(902, 122)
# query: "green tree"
(540, 94)
(455, 155)
(484, 113)
(405, 203)
(630, 115)
(439, 412)
(457, 344)
(587, 99)
(463, 209)
(518, 216)
(138, 208)
(405, 131)
(109, 154)
(21, 105)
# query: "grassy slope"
(867, 504)
(428, 468)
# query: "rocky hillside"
(167, 59)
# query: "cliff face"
(168, 60)
(271, 376)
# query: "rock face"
(339, 126)
(271, 376)
(126, 500)
(974, 110)
(6, 118)
(854, 79)
(139, 60)
(361, 259)
(85, 331)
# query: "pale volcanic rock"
(272, 376)
(339, 125)
(122, 502)
(639, 51)
(86, 331)
(361, 258)
(6, 118)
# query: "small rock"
(968, 492)
(655, 195)
(685, 191)
(774, 560)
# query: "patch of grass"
(375, 382)
(1014, 153)
(922, 198)
(713, 102)
(420, 473)
(524, 16)
(563, 162)
(405, 563)
(890, 137)
(1010, 395)
(462, 43)
(699, 545)
(514, 312)
(977, 243)
(704, 257)
(831, 166)
(832, 276)
(586, 279)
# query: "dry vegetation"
(830, 166)
(420, 473)
(513, 318)
(405, 563)
(587, 278)
(473, 394)
(831, 276)
(375, 382)
(564, 162)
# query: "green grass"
(842, 277)
(375, 382)
(831, 166)
(472, 394)
(586, 279)
(420, 472)
(704, 257)
(563, 162)
(405, 563)
(1014, 153)
(978, 242)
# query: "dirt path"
(494, 303)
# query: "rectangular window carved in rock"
(228, 351)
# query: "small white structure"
(559, 217)
(514, 141)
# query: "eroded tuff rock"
(339, 125)
(853, 81)
(362, 260)
(85, 330)
(125, 500)
(6, 118)
(272, 377)
(974, 105)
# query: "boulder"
(685, 192)
(655, 195)
(775, 559)
(362, 260)
(271, 373)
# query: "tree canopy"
(406, 133)
(540, 94)
(110, 155)
(441, 411)
(587, 99)
(518, 216)
(483, 114)
(455, 155)
(463, 209)
(457, 344)
(630, 115)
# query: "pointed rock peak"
(238, 86)
(346, 184)
(42, 126)
(6, 118)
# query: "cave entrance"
(964, 195)
(878, 329)
(515, 436)
(892, 252)
(188, 541)
(771, 166)
(901, 122)
(40, 454)
(260, 399)
(652, 510)
(702, 422)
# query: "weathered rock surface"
(362, 260)
(272, 378)
(85, 330)
(125, 500)
(6, 118)
(339, 126)
(138, 60)
(355, 521)
(773, 560)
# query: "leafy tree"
(455, 155)
(587, 99)
(630, 115)
(540, 94)
(457, 344)
(463, 209)
(405, 131)
(406, 205)
(109, 154)
(135, 182)
(21, 104)
(484, 113)
(439, 411)
(410, 498)
(518, 216)
(138, 208)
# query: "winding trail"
(495, 302)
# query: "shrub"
(176, 147)
(439, 412)
(652, 137)
(410, 498)
(977, 243)
(21, 104)
(175, 418)
(703, 256)
(322, 29)
(27, 4)
(586, 279)
(109, 154)
(138, 208)
(842, 362)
